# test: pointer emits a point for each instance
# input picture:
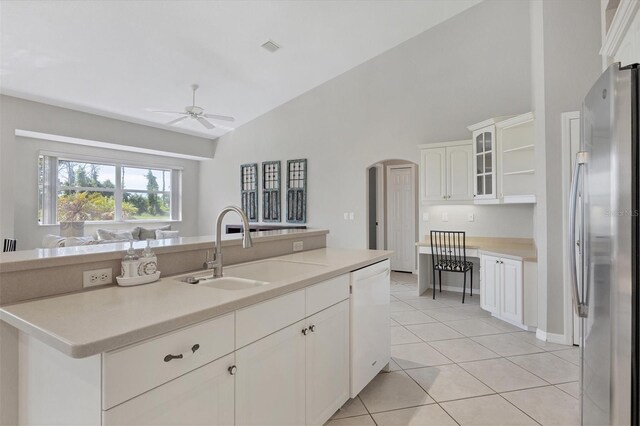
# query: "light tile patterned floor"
(455, 364)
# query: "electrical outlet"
(346, 216)
(97, 277)
(425, 217)
(471, 217)
(351, 216)
(445, 217)
(298, 245)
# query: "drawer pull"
(232, 370)
(170, 357)
(312, 328)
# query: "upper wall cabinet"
(517, 181)
(503, 160)
(446, 172)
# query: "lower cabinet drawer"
(327, 293)
(135, 369)
(262, 319)
(204, 396)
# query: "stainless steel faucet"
(216, 262)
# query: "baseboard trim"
(560, 339)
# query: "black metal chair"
(9, 245)
(449, 254)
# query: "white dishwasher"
(370, 337)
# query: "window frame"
(50, 187)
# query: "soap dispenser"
(149, 262)
(130, 262)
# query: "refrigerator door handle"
(581, 307)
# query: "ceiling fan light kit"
(195, 112)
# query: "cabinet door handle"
(312, 328)
(304, 331)
(170, 357)
(232, 370)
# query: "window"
(87, 190)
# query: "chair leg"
(464, 285)
(440, 280)
(434, 283)
(471, 286)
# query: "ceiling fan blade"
(205, 123)
(177, 120)
(219, 117)
(167, 112)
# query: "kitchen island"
(126, 355)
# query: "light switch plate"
(471, 217)
(425, 217)
(445, 217)
(346, 216)
(351, 216)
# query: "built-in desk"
(510, 289)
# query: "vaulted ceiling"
(122, 58)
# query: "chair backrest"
(448, 246)
(9, 245)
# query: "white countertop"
(49, 257)
(90, 322)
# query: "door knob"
(304, 331)
(312, 328)
(232, 370)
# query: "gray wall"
(567, 64)
(18, 160)
(428, 89)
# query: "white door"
(490, 283)
(511, 290)
(270, 379)
(433, 182)
(401, 217)
(327, 362)
(459, 172)
(202, 397)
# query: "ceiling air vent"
(271, 46)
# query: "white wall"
(566, 64)
(509, 220)
(428, 89)
(18, 161)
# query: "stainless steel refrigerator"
(604, 236)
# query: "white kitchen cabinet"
(490, 283)
(501, 288)
(516, 159)
(446, 171)
(270, 379)
(511, 290)
(433, 172)
(484, 154)
(327, 366)
(204, 396)
(459, 169)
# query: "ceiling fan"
(195, 112)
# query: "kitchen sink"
(271, 270)
(204, 279)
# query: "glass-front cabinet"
(484, 152)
